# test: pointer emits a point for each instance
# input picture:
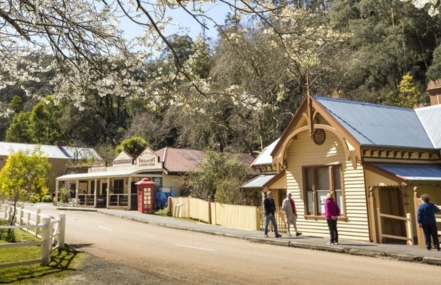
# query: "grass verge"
(61, 263)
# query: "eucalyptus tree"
(389, 39)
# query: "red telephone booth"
(145, 195)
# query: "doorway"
(391, 203)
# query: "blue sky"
(187, 25)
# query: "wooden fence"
(235, 216)
(46, 228)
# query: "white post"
(37, 221)
(45, 241)
(20, 222)
(62, 229)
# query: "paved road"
(197, 258)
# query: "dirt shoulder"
(98, 271)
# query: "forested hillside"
(240, 89)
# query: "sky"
(185, 24)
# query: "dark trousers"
(430, 230)
(333, 233)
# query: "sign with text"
(148, 159)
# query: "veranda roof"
(103, 174)
(258, 181)
(412, 172)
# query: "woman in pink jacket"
(332, 211)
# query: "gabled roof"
(430, 118)
(380, 125)
(265, 157)
(181, 160)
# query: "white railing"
(50, 227)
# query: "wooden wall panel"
(302, 151)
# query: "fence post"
(380, 228)
(20, 222)
(37, 221)
(45, 240)
(409, 229)
(62, 229)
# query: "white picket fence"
(46, 228)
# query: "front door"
(391, 203)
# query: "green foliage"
(16, 104)
(218, 178)
(62, 194)
(46, 199)
(24, 176)
(43, 123)
(133, 146)
(390, 38)
(434, 71)
(18, 131)
(408, 95)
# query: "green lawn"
(61, 262)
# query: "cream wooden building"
(375, 159)
(114, 186)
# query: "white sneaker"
(289, 234)
(330, 243)
(335, 243)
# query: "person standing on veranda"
(289, 209)
(427, 221)
(270, 209)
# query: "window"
(118, 186)
(318, 182)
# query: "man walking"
(270, 208)
(289, 209)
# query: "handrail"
(409, 232)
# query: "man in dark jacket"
(427, 221)
(270, 209)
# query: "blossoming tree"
(90, 52)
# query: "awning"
(411, 172)
(258, 181)
(104, 174)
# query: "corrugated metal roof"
(412, 172)
(378, 125)
(265, 157)
(258, 181)
(185, 160)
(52, 151)
(430, 118)
(81, 152)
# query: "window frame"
(312, 169)
(116, 186)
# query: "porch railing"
(409, 232)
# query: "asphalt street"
(409, 253)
